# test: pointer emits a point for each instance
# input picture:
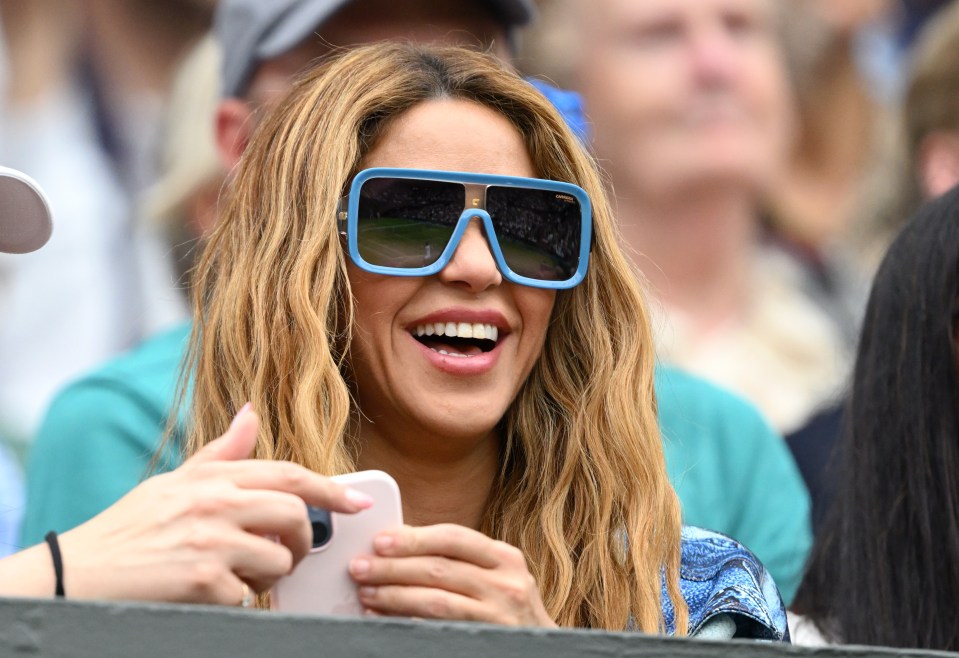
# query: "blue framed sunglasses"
(408, 222)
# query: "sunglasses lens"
(406, 223)
(539, 231)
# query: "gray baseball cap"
(25, 223)
(251, 31)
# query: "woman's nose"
(472, 265)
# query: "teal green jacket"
(733, 474)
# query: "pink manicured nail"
(359, 499)
(239, 414)
(383, 542)
(359, 567)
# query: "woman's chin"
(463, 427)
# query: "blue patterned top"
(720, 577)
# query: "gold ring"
(247, 599)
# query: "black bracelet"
(54, 545)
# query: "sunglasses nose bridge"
(472, 259)
(484, 223)
(479, 216)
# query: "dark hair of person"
(885, 568)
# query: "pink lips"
(461, 365)
(458, 365)
(473, 316)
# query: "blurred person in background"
(124, 407)
(25, 226)
(83, 87)
(833, 205)
(885, 566)
(853, 60)
(855, 63)
(816, 207)
(182, 202)
(840, 123)
(930, 116)
(693, 117)
(926, 165)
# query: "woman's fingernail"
(367, 592)
(359, 566)
(383, 542)
(359, 498)
(239, 414)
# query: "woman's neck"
(451, 487)
(694, 247)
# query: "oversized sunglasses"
(408, 222)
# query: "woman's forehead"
(452, 135)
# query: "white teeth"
(458, 330)
(456, 354)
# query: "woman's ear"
(234, 126)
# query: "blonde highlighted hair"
(582, 488)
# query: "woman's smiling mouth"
(459, 339)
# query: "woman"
(508, 393)
(885, 569)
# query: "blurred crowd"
(762, 155)
(85, 94)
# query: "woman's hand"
(449, 572)
(203, 532)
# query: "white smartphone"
(321, 584)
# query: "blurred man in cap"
(267, 42)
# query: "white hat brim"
(25, 219)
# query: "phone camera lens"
(321, 524)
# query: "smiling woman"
(441, 326)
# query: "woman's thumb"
(237, 442)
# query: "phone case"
(321, 584)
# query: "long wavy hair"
(582, 489)
(885, 569)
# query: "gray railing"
(43, 629)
